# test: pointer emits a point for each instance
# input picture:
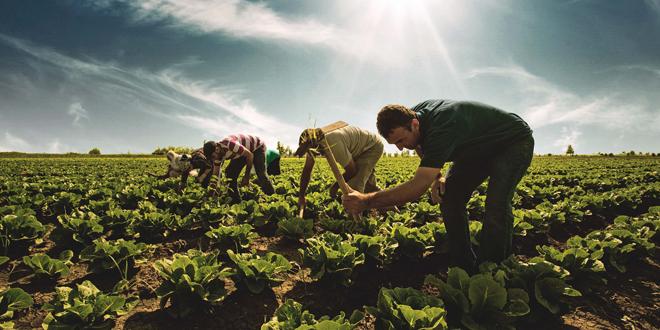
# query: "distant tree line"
(284, 150)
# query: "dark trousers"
(235, 167)
(505, 169)
(274, 167)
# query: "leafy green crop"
(378, 249)
(19, 227)
(118, 220)
(257, 272)
(43, 265)
(85, 307)
(191, 280)
(584, 268)
(238, 237)
(413, 242)
(120, 255)
(82, 227)
(295, 228)
(408, 308)
(329, 256)
(480, 302)
(62, 203)
(153, 226)
(11, 300)
(291, 316)
(545, 282)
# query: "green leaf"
(485, 293)
(459, 279)
(16, 299)
(548, 291)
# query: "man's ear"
(414, 125)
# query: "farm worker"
(243, 151)
(273, 162)
(355, 149)
(185, 165)
(483, 142)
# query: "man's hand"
(355, 202)
(438, 189)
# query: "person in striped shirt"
(242, 150)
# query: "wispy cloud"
(10, 142)
(178, 98)
(549, 104)
(643, 68)
(237, 18)
(78, 113)
(569, 136)
(653, 5)
(57, 147)
(376, 32)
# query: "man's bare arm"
(403, 193)
(306, 175)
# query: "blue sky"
(128, 76)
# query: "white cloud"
(77, 111)
(237, 18)
(549, 104)
(57, 147)
(645, 68)
(653, 5)
(240, 115)
(569, 136)
(377, 32)
(178, 98)
(13, 143)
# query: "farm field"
(96, 242)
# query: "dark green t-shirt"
(464, 131)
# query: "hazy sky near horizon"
(130, 75)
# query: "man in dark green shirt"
(482, 142)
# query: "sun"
(400, 32)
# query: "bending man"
(483, 142)
(355, 149)
(185, 165)
(243, 151)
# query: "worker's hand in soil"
(438, 189)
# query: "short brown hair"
(392, 116)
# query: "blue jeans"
(505, 170)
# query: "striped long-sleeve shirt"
(235, 145)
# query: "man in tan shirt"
(355, 149)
